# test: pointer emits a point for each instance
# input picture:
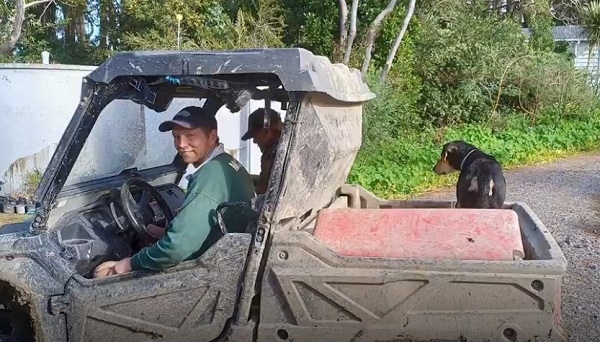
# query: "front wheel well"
(16, 323)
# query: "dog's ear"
(450, 148)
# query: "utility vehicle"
(320, 260)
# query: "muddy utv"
(319, 260)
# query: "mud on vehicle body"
(285, 279)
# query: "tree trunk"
(48, 16)
(15, 33)
(343, 26)
(590, 51)
(103, 27)
(353, 15)
(392, 55)
(68, 12)
(372, 33)
(509, 8)
(80, 25)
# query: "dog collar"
(465, 158)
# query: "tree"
(372, 33)
(398, 41)
(590, 19)
(17, 26)
(352, 33)
(343, 22)
(206, 25)
(567, 12)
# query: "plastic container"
(20, 209)
(8, 208)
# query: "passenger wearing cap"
(217, 177)
(264, 127)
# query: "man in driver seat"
(218, 178)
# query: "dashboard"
(102, 232)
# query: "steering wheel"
(136, 212)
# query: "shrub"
(465, 74)
(474, 66)
(405, 166)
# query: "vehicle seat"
(248, 212)
(431, 233)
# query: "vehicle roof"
(299, 70)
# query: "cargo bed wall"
(537, 240)
(311, 294)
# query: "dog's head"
(451, 157)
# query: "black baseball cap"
(256, 121)
(190, 117)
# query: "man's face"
(265, 137)
(193, 145)
(261, 138)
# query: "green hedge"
(398, 168)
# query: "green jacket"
(195, 228)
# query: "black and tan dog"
(481, 182)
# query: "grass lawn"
(11, 218)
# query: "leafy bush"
(404, 166)
(474, 66)
(465, 74)
(392, 114)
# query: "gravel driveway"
(566, 197)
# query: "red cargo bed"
(460, 234)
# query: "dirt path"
(566, 197)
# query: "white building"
(575, 36)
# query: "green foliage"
(547, 82)
(464, 54)
(472, 76)
(590, 19)
(206, 25)
(403, 166)
(312, 24)
(541, 23)
(264, 28)
(388, 32)
(391, 114)
(31, 182)
(142, 25)
(474, 67)
(5, 23)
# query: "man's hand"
(105, 269)
(109, 268)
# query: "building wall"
(581, 50)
